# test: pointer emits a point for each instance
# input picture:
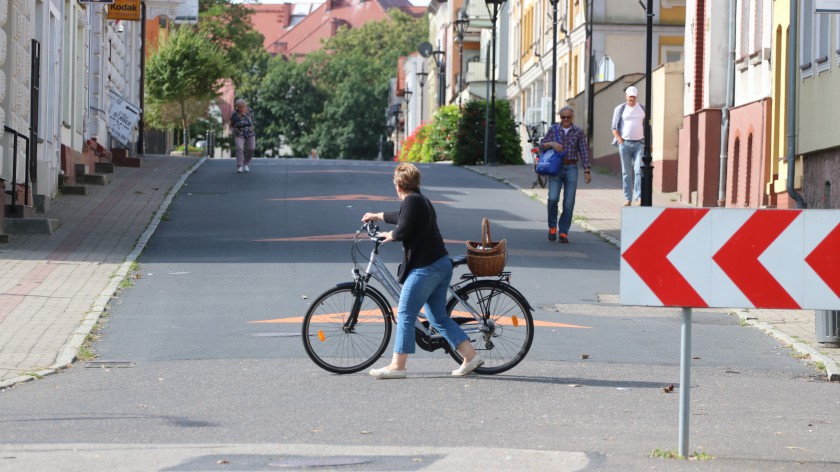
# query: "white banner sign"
(185, 11)
(122, 116)
(828, 6)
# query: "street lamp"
(397, 113)
(647, 169)
(491, 126)
(554, 63)
(421, 80)
(461, 25)
(408, 94)
(440, 63)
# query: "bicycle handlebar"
(372, 230)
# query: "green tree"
(182, 78)
(353, 70)
(471, 131)
(442, 141)
(286, 104)
(229, 26)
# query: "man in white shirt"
(629, 135)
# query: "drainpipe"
(730, 99)
(791, 125)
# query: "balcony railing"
(476, 72)
(478, 15)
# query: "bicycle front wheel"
(509, 330)
(335, 345)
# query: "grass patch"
(126, 283)
(580, 219)
(86, 351)
(820, 365)
(134, 267)
(165, 216)
(672, 454)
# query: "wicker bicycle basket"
(486, 258)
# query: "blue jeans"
(426, 287)
(631, 154)
(568, 178)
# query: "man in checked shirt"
(565, 135)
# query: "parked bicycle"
(348, 327)
(535, 134)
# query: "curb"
(832, 370)
(68, 352)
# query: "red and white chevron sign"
(784, 259)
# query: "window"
(758, 42)
(745, 28)
(822, 39)
(806, 35)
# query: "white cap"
(631, 91)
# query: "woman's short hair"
(407, 177)
(239, 102)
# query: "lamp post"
(647, 169)
(461, 25)
(440, 63)
(493, 7)
(421, 80)
(397, 114)
(408, 94)
(554, 62)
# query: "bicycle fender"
(375, 294)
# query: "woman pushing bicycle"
(425, 274)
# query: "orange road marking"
(331, 237)
(342, 171)
(376, 317)
(356, 197)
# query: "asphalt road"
(215, 376)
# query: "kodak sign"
(126, 10)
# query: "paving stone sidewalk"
(598, 210)
(53, 288)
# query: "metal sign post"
(722, 258)
(685, 380)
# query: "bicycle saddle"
(460, 260)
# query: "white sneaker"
(470, 366)
(247, 169)
(384, 373)
(239, 169)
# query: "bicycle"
(348, 327)
(534, 135)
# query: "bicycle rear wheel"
(335, 346)
(506, 339)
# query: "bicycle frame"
(376, 269)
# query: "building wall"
(16, 18)
(749, 143)
(666, 118)
(821, 183)
(776, 165)
(698, 165)
(819, 100)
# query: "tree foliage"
(183, 76)
(287, 104)
(229, 26)
(471, 132)
(353, 71)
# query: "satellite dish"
(425, 49)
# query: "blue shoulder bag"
(550, 162)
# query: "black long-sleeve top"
(418, 230)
